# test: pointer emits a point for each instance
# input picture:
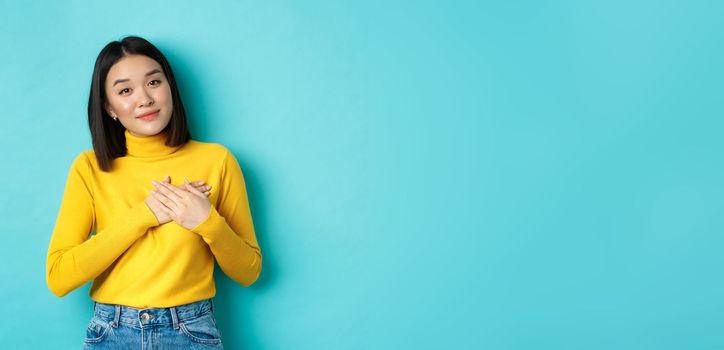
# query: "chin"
(154, 126)
(147, 130)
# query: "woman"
(156, 235)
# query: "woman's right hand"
(155, 205)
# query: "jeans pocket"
(201, 329)
(97, 330)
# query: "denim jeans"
(188, 326)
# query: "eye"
(121, 92)
(156, 80)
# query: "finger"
(198, 183)
(169, 203)
(157, 205)
(200, 188)
(166, 211)
(165, 189)
(166, 179)
(206, 193)
(204, 189)
(155, 202)
(193, 190)
(170, 191)
(179, 190)
(187, 185)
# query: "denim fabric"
(188, 326)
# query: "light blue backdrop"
(422, 174)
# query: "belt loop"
(117, 316)
(212, 305)
(95, 303)
(174, 317)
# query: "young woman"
(156, 234)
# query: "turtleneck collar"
(149, 146)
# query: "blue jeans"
(188, 326)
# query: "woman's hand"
(157, 207)
(187, 206)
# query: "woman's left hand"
(188, 207)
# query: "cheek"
(122, 106)
(163, 96)
(127, 106)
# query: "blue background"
(422, 174)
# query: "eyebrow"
(147, 74)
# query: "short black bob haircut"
(109, 141)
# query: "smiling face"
(136, 85)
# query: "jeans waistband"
(116, 314)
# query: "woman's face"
(136, 85)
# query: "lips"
(149, 114)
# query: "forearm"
(240, 259)
(69, 265)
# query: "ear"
(108, 109)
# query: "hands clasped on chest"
(188, 205)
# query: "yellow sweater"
(133, 260)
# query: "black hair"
(109, 141)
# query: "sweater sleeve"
(229, 230)
(72, 258)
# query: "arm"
(229, 231)
(72, 258)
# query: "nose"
(146, 100)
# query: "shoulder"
(84, 165)
(211, 150)
(84, 160)
(220, 156)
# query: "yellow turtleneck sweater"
(131, 259)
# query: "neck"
(148, 146)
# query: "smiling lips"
(149, 115)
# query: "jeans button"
(144, 317)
